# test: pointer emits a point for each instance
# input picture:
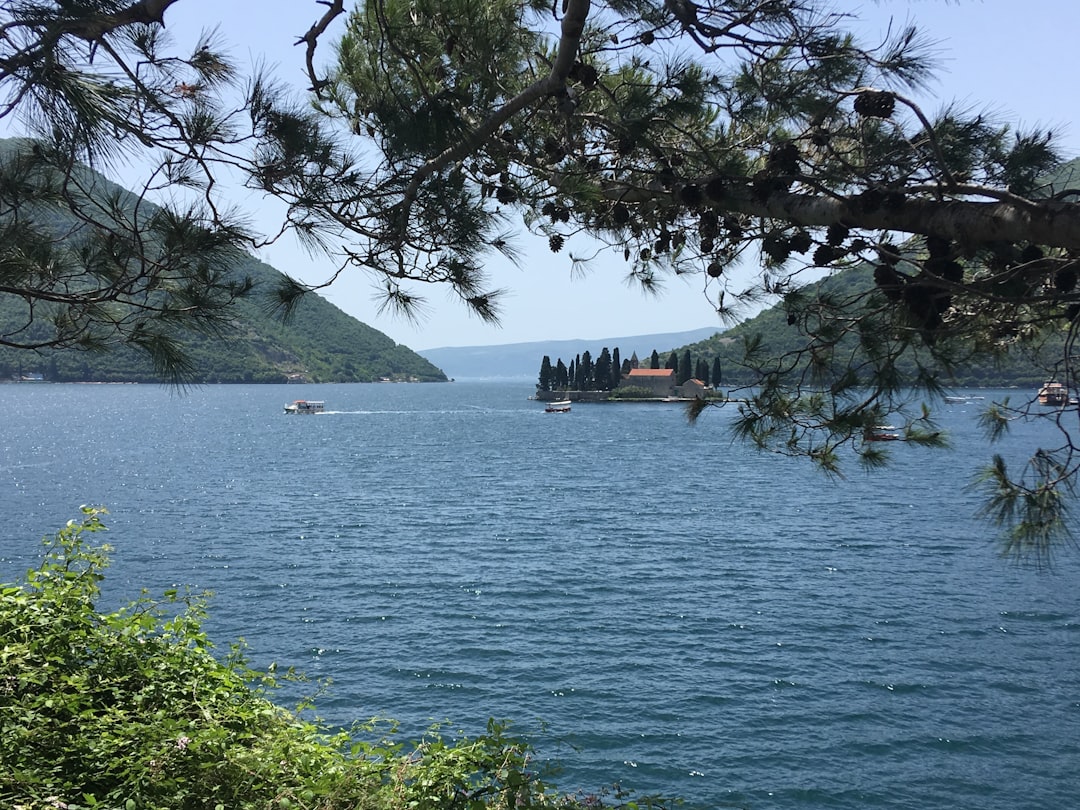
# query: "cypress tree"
(545, 374)
(702, 370)
(562, 377)
(686, 368)
(585, 372)
(602, 371)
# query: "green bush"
(131, 709)
(634, 392)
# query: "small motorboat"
(305, 406)
(558, 406)
(881, 433)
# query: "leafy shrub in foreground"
(131, 709)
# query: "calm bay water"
(652, 604)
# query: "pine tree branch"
(575, 13)
(1049, 223)
(311, 38)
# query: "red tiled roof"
(651, 372)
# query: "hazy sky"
(1010, 57)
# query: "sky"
(1011, 58)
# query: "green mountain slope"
(778, 337)
(319, 343)
(1019, 368)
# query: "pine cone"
(824, 255)
(875, 103)
(836, 234)
(690, 194)
(800, 242)
(1065, 279)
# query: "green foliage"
(1032, 509)
(779, 336)
(132, 709)
(685, 136)
(318, 341)
(254, 345)
(632, 392)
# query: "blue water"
(650, 603)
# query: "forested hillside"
(318, 343)
(1014, 366)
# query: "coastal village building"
(693, 388)
(661, 381)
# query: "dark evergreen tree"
(602, 371)
(654, 360)
(562, 376)
(715, 378)
(545, 374)
(616, 368)
(673, 363)
(572, 375)
(585, 372)
(702, 370)
(686, 368)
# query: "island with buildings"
(608, 378)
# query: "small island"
(609, 379)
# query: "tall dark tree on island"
(562, 376)
(673, 363)
(681, 136)
(702, 370)
(716, 377)
(584, 380)
(654, 360)
(616, 368)
(686, 367)
(602, 371)
(546, 378)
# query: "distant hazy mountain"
(523, 359)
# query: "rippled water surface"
(654, 605)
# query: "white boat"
(1054, 394)
(558, 406)
(306, 406)
(881, 433)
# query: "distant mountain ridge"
(521, 360)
